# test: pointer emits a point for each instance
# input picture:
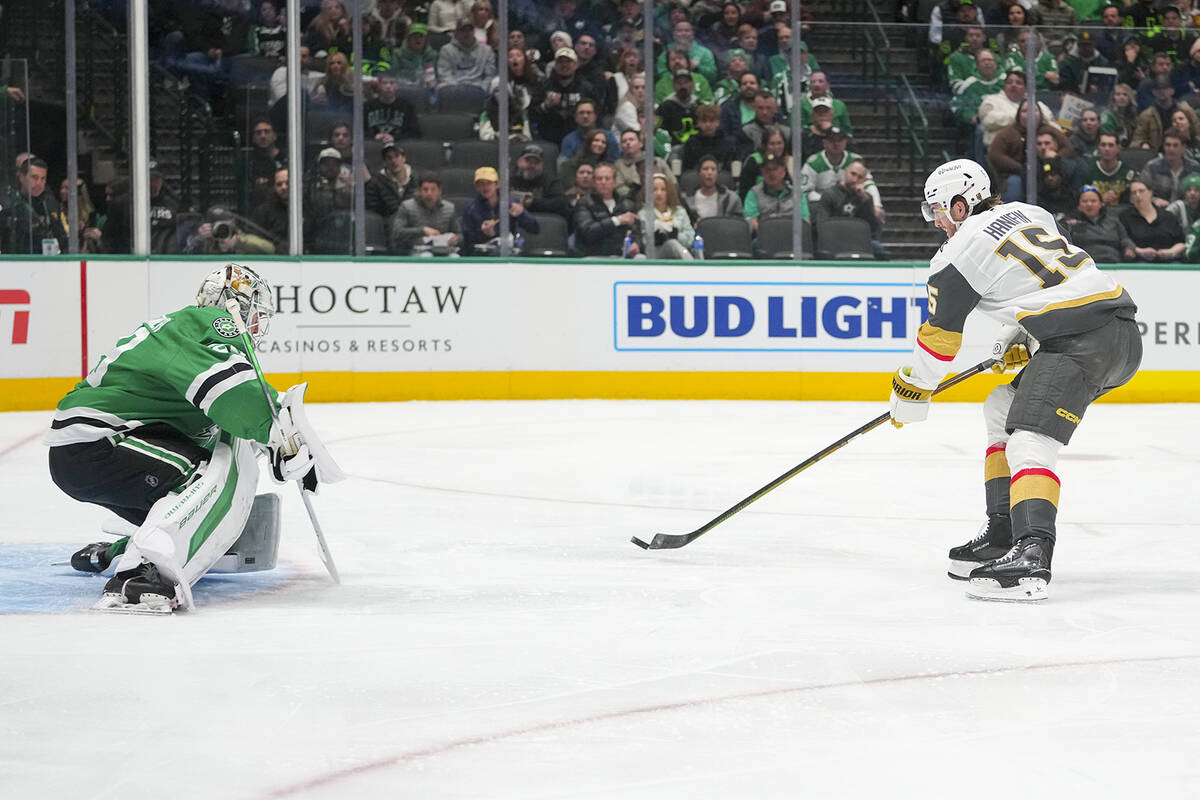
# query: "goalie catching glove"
(910, 397)
(1013, 349)
(297, 453)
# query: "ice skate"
(993, 541)
(1021, 575)
(142, 590)
(95, 557)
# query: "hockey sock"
(996, 480)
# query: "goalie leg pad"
(185, 534)
(257, 549)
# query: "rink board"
(377, 331)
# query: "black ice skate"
(993, 541)
(92, 558)
(139, 590)
(1020, 575)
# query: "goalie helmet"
(959, 178)
(254, 297)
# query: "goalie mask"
(959, 178)
(253, 295)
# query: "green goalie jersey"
(188, 369)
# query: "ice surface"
(497, 635)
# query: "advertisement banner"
(40, 319)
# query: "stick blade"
(664, 541)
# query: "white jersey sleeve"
(1012, 264)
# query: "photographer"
(220, 234)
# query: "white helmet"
(959, 178)
(253, 294)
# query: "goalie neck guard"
(253, 295)
(959, 178)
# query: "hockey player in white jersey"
(1070, 325)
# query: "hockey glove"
(295, 466)
(1013, 349)
(910, 400)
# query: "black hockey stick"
(669, 541)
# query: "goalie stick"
(670, 541)
(231, 305)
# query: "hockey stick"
(668, 541)
(231, 305)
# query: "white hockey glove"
(297, 452)
(1013, 349)
(910, 399)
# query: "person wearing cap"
(1187, 207)
(1094, 226)
(1073, 69)
(543, 193)
(771, 198)
(425, 220)
(329, 189)
(552, 107)
(677, 59)
(481, 217)
(822, 120)
(388, 116)
(1151, 123)
(827, 167)
(677, 113)
(463, 61)
(392, 184)
(818, 87)
(415, 62)
(1171, 39)
(727, 87)
(700, 58)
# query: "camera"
(223, 230)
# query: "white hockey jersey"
(1013, 265)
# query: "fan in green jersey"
(165, 432)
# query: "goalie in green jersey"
(165, 432)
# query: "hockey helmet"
(961, 177)
(254, 296)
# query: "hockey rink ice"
(497, 635)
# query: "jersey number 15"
(1038, 250)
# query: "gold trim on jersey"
(941, 344)
(1076, 303)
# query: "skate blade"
(1027, 590)
(961, 570)
(115, 604)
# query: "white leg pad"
(995, 413)
(186, 533)
(1029, 450)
